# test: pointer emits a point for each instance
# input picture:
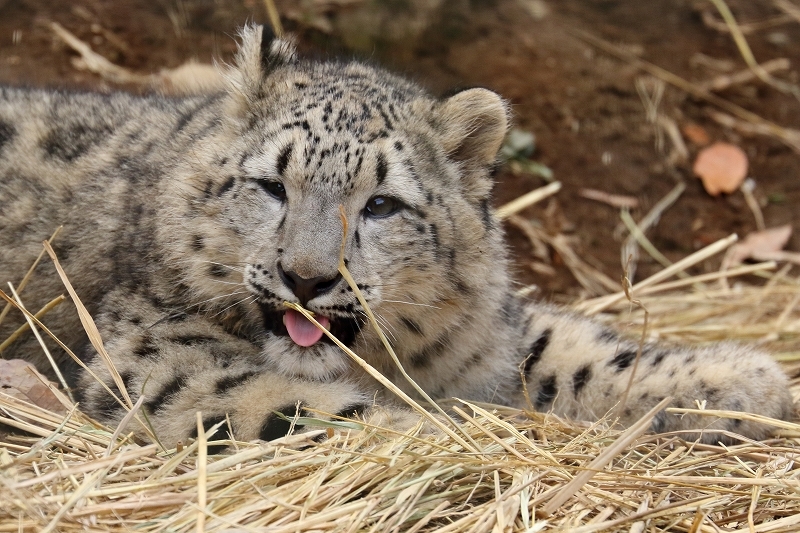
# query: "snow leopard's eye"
(382, 206)
(274, 189)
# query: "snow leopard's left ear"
(260, 53)
(473, 124)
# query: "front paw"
(269, 406)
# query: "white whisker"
(251, 298)
(198, 304)
(238, 283)
(235, 269)
(385, 326)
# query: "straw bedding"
(499, 470)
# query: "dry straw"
(493, 469)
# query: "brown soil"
(582, 104)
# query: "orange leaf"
(722, 167)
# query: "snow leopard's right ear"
(260, 53)
(474, 124)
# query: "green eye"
(382, 206)
(274, 189)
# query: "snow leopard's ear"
(260, 53)
(473, 124)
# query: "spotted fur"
(189, 221)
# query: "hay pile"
(76, 478)
(507, 470)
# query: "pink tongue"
(302, 331)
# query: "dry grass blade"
(130, 415)
(26, 278)
(638, 236)
(630, 247)
(46, 351)
(626, 286)
(790, 9)
(738, 415)
(89, 326)
(722, 82)
(274, 17)
(711, 276)
(202, 461)
(526, 200)
(25, 327)
(614, 200)
(746, 28)
(747, 189)
(96, 63)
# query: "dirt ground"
(590, 120)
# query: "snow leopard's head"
(412, 175)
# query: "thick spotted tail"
(580, 369)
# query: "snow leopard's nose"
(306, 289)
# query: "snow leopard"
(189, 222)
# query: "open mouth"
(303, 332)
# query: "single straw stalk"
(89, 326)
(27, 277)
(526, 200)
(202, 463)
(26, 326)
(46, 351)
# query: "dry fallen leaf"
(722, 167)
(21, 380)
(760, 245)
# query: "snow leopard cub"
(188, 222)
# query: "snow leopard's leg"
(183, 363)
(581, 369)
